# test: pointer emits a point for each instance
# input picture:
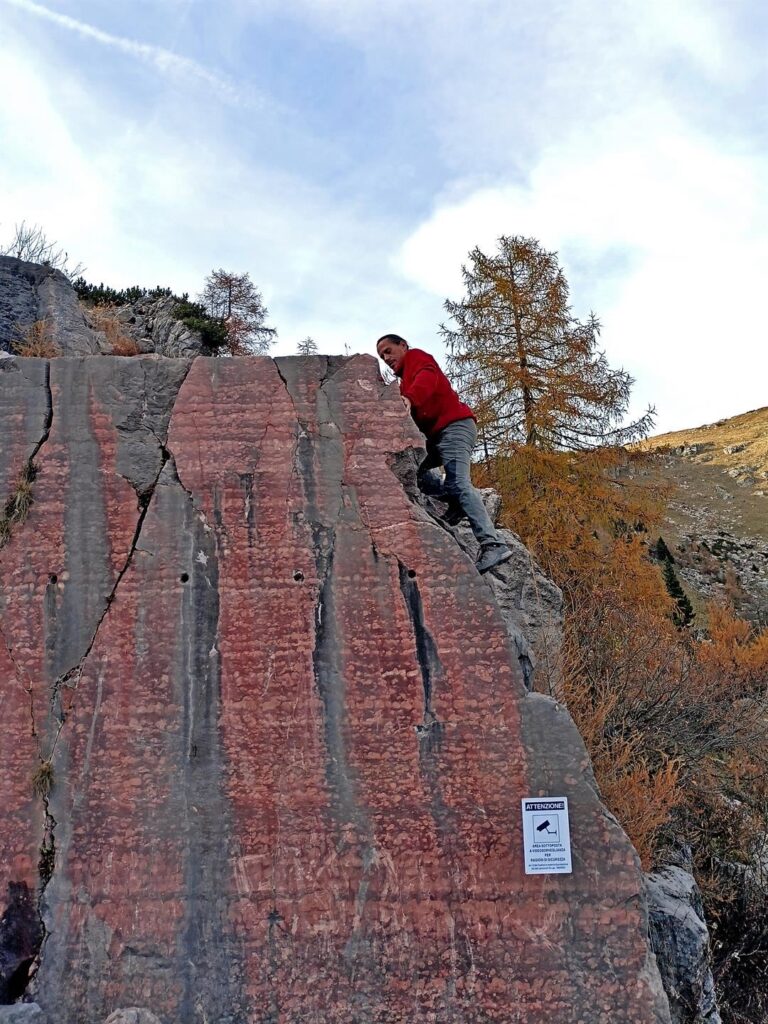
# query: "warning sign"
(546, 836)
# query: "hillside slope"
(717, 520)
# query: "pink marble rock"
(288, 735)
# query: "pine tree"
(662, 551)
(683, 613)
(530, 370)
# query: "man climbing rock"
(451, 432)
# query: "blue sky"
(349, 154)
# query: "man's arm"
(422, 385)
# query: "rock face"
(277, 726)
(151, 323)
(530, 604)
(30, 293)
(681, 943)
(724, 565)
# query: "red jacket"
(434, 403)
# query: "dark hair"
(392, 337)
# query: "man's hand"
(406, 402)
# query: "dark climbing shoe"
(491, 556)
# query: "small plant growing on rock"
(42, 780)
(30, 243)
(16, 508)
(37, 342)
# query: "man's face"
(392, 352)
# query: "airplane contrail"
(164, 60)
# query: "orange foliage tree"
(237, 303)
(529, 368)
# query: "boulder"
(680, 940)
(288, 728)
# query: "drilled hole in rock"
(412, 573)
(184, 577)
(298, 576)
(53, 578)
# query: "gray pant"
(452, 448)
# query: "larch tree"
(234, 300)
(307, 347)
(530, 369)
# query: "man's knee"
(461, 491)
(457, 481)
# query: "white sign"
(546, 836)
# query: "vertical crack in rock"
(48, 413)
(72, 675)
(430, 732)
(21, 936)
(330, 682)
(430, 737)
(325, 655)
(22, 929)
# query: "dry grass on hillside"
(720, 475)
(105, 319)
(741, 440)
(38, 341)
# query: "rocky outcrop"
(277, 730)
(531, 605)
(724, 566)
(681, 942)
(31, 293)
(152, 324)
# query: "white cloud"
(45, 177)
(683, 309)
